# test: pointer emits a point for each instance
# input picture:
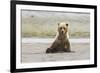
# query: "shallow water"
(33, 50)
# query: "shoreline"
(50, 40)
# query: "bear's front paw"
(67, 50)
(49, 50)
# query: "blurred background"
(44, 23)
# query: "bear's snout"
(62, 31)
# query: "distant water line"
(50, 40)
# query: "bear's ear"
(66, 24)
(58, 24)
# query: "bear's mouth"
(62, 32)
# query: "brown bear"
(61, 43)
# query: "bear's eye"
(63, 28)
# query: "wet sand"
(35, 52)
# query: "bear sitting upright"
(61, 43)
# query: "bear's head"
(62, 28)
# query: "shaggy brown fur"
(61, 43)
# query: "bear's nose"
(62, 31)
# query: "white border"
(51, 64)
